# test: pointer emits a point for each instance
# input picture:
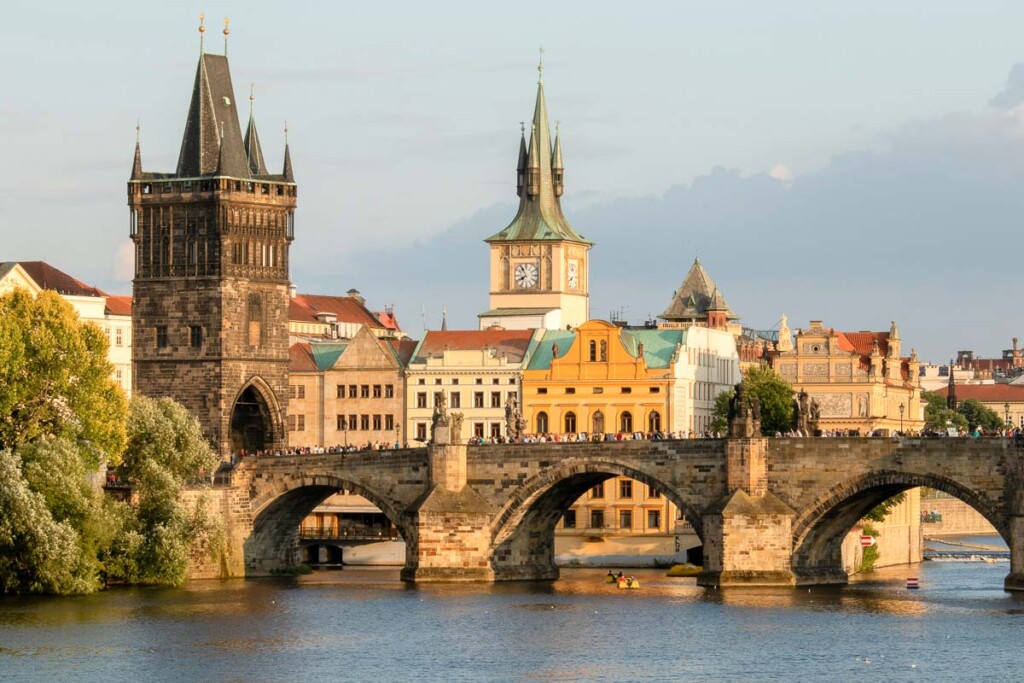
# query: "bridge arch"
(279, 508)
(523, 529)
(819, 529)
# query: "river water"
(365, 625)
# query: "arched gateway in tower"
(210, 299)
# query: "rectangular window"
(161, 336)
(478, 430)
(364, 423)
(569, 519)
(437, 381)
(478, 399)
(597, 519)
(627, 390)
(352, 424)
(292, 390)
(456, 400)
(479, 380)
(377, 423)
(625, 488)
(421, 431)
(655, 390)
(455, 380)
(654, 519)
(511, 380)
(389, 391)
(542, 390)
(291, 423)
(118, 374)
(120, 337)
(495, 399)
(302, 391)
(351, 390)
(653, 492)
(301, 426)
(421, 399)
(496, 380)
(598, 390)
(422, 380)
(377, 391)
(597, 491)
(195, 336)
(625, 519)
(364, 391)
(570, 390)
(342, 424)
(437, 398)
(496, 430)
(389, 422)
(341, 391)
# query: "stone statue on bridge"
(514, 422)
(806, 413)
(744, 414)
(445, 428)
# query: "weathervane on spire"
(285, 132)
(540, 67)
(202, 30)
(252, 96)
(522, 127)
(138, 130)
(226, 32)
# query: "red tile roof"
(48, 277)
(304, 308)
(300, 358)
(388, 320)
(986, 393)
(403, 348)
(863, 342)
(513, 343)
(119, 305)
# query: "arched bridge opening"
(524, 529)
(279, 541)
(819, 531)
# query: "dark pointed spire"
(444, 319)
(523, 160)
(951, 393)
(137, 163)
(557, 167)
(212, 108)
(289, 177)
(253, 150)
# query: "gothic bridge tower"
(539, 263)
(210, 299)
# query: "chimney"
(354, 294)
(293, 291)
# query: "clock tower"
(539, 263)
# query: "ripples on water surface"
(364, 625)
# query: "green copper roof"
(326, 355)
(543, 355)
(540, 214)
(659, 345)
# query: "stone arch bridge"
(769, 511)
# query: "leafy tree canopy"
(55, 379)
(978, 415)
(776, 397)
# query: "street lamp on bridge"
(902, 408)
(1006, 409)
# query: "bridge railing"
(349, 534)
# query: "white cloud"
(124, 261)
(782, 173)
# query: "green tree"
(775, 395)
(166, 450)
(38, 554)
(720, 414)
(55, 379)
(937, 417)
(978, 415)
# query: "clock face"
(574, 275)
(526, 275)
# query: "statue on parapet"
(445, 428)
(744, 414)
(514, 422)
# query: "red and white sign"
(866, 540)
(912, 583)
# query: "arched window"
(255, 320)
(626, 422)
(598, 423)
(593, 351)
(542, 422)
(654, 421)
(604, 351)
(570, 423)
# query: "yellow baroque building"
(586, 381)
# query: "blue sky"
(845, 161)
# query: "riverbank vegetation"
(62, 421)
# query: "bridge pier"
(448, 527)
(1015, 580)
(748, 539)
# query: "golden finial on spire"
(202, 30)
(252, 96)
(138, 130)
(286, 133)
(540, 66)
(226, 32)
